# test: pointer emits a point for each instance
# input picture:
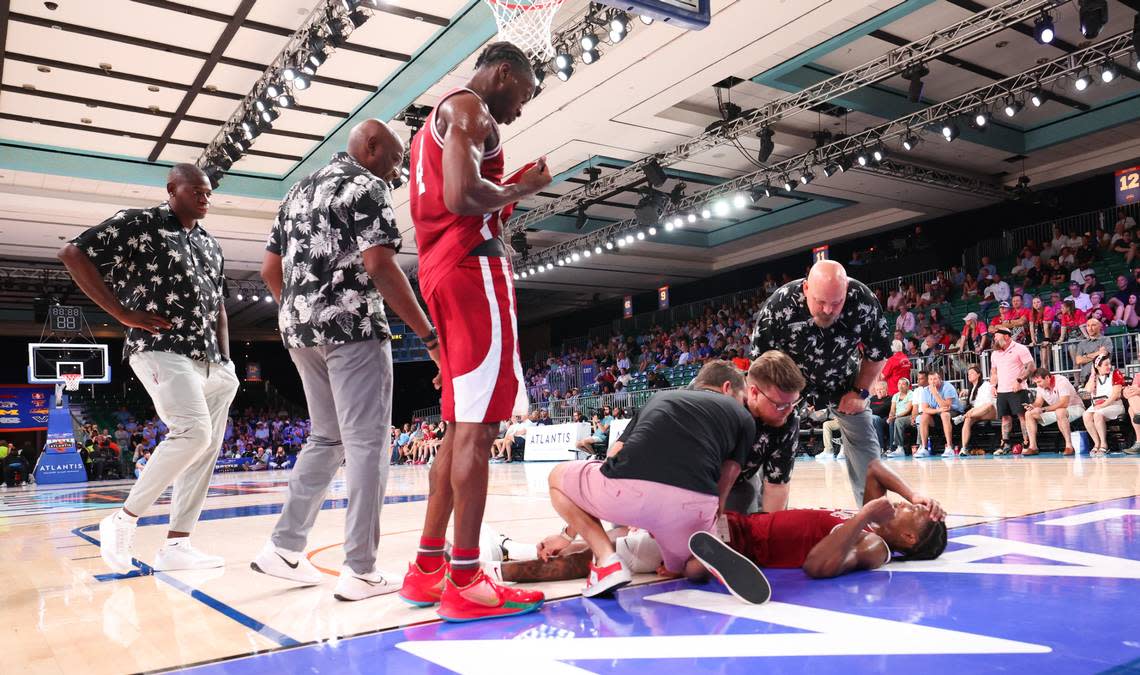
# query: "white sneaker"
(921, 452)
(352, 586)
(183, 556)
(607, 579)
(949, 453)
(116, 542)
(958, 419)
(897, 452)
(291, 565)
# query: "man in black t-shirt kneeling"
(680, 457)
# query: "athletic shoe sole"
(306, 582)
(604, 591)
(417, 603)
(739, 574)
(525, 610)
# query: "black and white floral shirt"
(323, 226)
(774, 452)
(829, 357)
(153, 264)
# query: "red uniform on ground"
(471, 299)
(783, 538)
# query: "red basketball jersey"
(442, 237)
(783, 538)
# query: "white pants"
(193, 399)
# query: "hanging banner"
(820, 253)
(252, 371)
(663, 297)
(627, 307)
(24, 407)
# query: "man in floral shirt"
(330, 256)
(160, 274)
(833, 327)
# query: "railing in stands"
(563, 410)
(1100, 221)
(919, 279)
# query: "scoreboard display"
(65, 319)
(1128, 186)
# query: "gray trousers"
(349, 392)
(860, 445)
(746, 495)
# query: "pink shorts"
(640, 503)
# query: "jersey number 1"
(420, 167)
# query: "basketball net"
(71, 381)
(526, 24)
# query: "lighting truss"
(939, 178)
(1042, 75)
(325, 26)
(968, 31)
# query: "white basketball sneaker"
(291, 565)
(183, 556)
(352, 586)
(116, 541)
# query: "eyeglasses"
(780, 407)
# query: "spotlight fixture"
(590, 56)
(845, 163)
(273, 90)
(705, 213)
(1093, 15)
(232, 152)
(629, 238)
(619, 26)
(589, 42)
(290, 73)
(240, 296)
(1083, 80)
(263, 104)
(915, 74)
(654, 173)
(950, 130)
(286, 101)
(1109, 72)
(621, 242)
(692, 218)
(563, 65)
(254, 298)
(549, 265)
(519, 243)
(580, 219)
(1043, 28)
(575, 257)
(1012, 107)
(981, 118)
(523, 274)
(561, 262)
(830, 169)
(646, 19)
(878, 152)
(862, 158)
(640, 235)
(268, 298)
(807, 177)
(788, 184)
(318, 51)
(739, 201)
(269, 115)
(358, 18)
(215, 174)
(678, 222)
(1037, 97)
(766, 144)
(720, 208)
(669, 226)
(910, 142)
(652, 233)
(301, 81)
(609, 245)
(598, 250)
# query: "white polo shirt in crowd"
(1061, 388)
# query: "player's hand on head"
(151, 323)
(936, 510)
(879, 510)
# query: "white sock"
(608, 561)
(519, 551)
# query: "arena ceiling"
(98, 98)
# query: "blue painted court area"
(1057, 592)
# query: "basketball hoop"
(71, 381)
(526, 24)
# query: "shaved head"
(826, 290)
(376, 147)
(189, 193)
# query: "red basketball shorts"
(473, 309)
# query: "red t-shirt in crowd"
(1077, 318)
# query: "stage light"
(531, 271)
(739, 201)
(862, 159)
(610, 245)
(286, 100)
(1037, 97)
(706, 213)
(301, 81)
(621, 242)
(646, 19)
(830, 170)
(549, 265)
(1083, 80)
(720, 208)
(240, 296)
(273, 90)
(564, 73)
(654, 174)
(290, 73)
(318, 51)
(807, 177)
(669, 226)
(232, 152)
(269, 115)
(1012, 107)
(561, 262)
(692, 218)
(1093, 15)
(598, 250)
(879, 152)
(254, 298)
(981, 118)
(563, 60)
(589, 42)
(653, 231)
(788, 184)
(629, 238)
(640, 235)
(262, 104)
(910, 142)
(950, 131)
(268, 298)
(590, 56)
(914, 75)
(516, 276)
(619, 26)
(574, 257)
(1109, 72)
(767, 145)
(1043, 28)
(523, 274)
(678, 222)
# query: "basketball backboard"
(50, 362)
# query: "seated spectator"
(596, 443)
(1057, 403)
(996, 292)
(1026, 260)
(880, 405)
(260, 461)
(986, 271)
(140, 465)
(1055, 274)
(739, 360)
(969, 287)
(1125, 246)
(1036, 275)
(1091, 285)
(280, 460)
(1013, 320)
(900, 418)
(979, 399)
(1105, 387)
(544, 418)
(1131, 394)
(1080, 274)
(937, 399)
(1099, 310)
(657, 381)
(893, 300)
(514, 440)
(1087, 251)
(896, 367)
(906, 321)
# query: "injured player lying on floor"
(824, 542)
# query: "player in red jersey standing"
(825, 542)
(458, 205)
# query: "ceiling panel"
(132, 19)
(256, 46)
(93, 52)
(357, 67)
(83, 140)
(74, 113)
(284, 13)
(232, 78)
(254, 164)
(59, 80)
(394, 33)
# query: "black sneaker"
(739, 574)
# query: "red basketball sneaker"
(484, 599)
(422, 589)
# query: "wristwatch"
(863, 393)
